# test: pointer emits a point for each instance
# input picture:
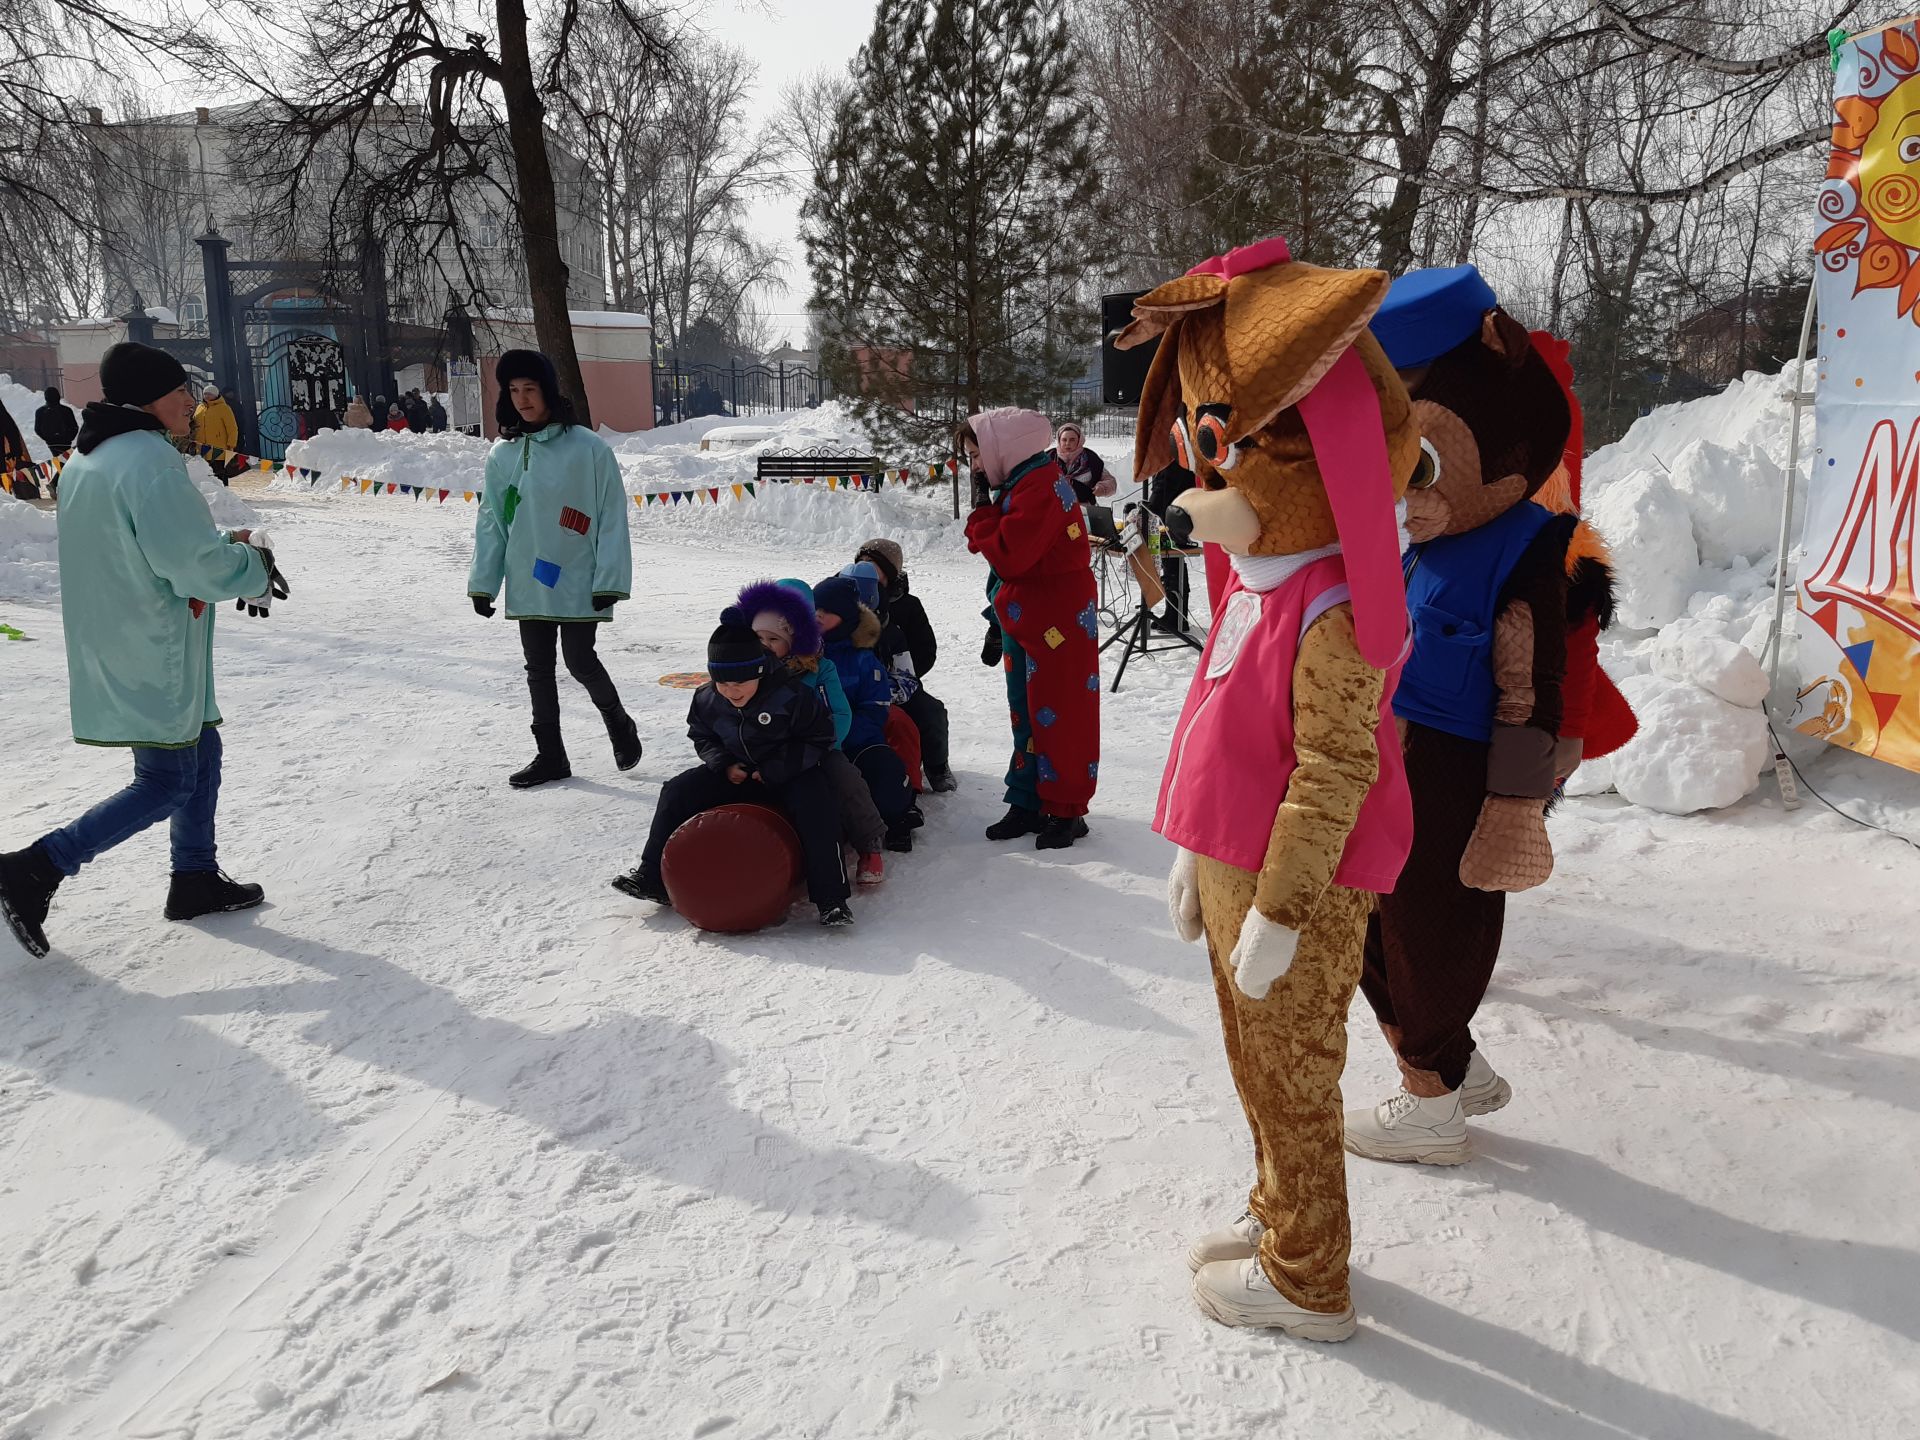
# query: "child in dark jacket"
(852, 631)
(907, 634)
(782, 614)
(760, 734)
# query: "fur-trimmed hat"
(528, 365)
(794, 611)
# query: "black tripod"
(1143, 638)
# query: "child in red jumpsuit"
(1027, 523)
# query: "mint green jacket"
(553, 525)
(137, 542)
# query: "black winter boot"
(208, 892)
(941, 782)
(900, 837)
(637, 883)
(626, 740)
(1016, 822)
(1059, 832)
(549, 764)
(27, 882)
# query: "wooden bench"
(785, 467)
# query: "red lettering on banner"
(1870, 563)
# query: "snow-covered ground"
(452, 1140)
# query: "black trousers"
(1173, 576)
(806, 800)
(575, 641)
(930, 716)
(886, 777)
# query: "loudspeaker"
(1123, 373)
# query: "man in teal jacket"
(140, 565)
(553, 526)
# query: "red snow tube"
(733, 869)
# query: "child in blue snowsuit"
(851, 630)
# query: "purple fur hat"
(790, 605)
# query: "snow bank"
(447, 461)
(29, 551)
(1689, 501)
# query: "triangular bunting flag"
(833, 482)
(714, 496)
(365, 485)
(1859, 656)
(467, 495)
(391, 487)
(443, 497)
(749, 488)
(736, 492)
(1884, 706)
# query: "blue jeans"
(181, 787)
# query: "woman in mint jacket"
(141, 564)
(553, 526)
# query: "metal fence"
(688, 392)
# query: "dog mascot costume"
(1283, 788)
(1480, 701)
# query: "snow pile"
(229, 511)
(447, 461)
(1689, 502)
(29, 551)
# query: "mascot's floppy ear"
(1286, 326)
(1161, 307)
(1159, 407)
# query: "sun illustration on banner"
(1875, 209)
(1853, 665)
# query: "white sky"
(789, 39)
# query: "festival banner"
(1860, 632)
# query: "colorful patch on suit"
(1073, 531)
(1014, 716)
(1031, 747)
(1047, 773)
(1093, 770)
(1033, 667)
(574, 520)
(1089, 622)
(1019, 762)
(1093, 681)
(1067, 498)
(1054, 638)
(1045, 716)
(546, 572)
(1013, 611)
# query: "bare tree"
(405, 114)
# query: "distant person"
(436, 416)
(143, 564)
(15, 461)
(397, 415)
(379, 412)
(705, 400)
(1080, 467)
(214, 423)
(416, 412)
(358, 416)
(55, 423)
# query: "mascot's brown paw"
(1509, 849)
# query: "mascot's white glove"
(1183, 896)
(1264, 954)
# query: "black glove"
(482, 606)
(605, 602)
(990, 652)
(277, 588)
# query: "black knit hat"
(136, 374)
(528, 365)
(734, 653)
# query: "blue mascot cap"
(1428, 312)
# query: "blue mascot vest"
(1453, 587)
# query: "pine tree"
(951, 233)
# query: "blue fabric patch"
(1093, 770)
(546, 572)
(1090, 622)
(1033, 667)
(1044, 715)
(1047, 773)
(1013, 611)
(1093, 681)
(1067, 498)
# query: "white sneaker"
(1238, 1241)
(1406, 1127)
(1482, 1092)
(1238, 1292)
